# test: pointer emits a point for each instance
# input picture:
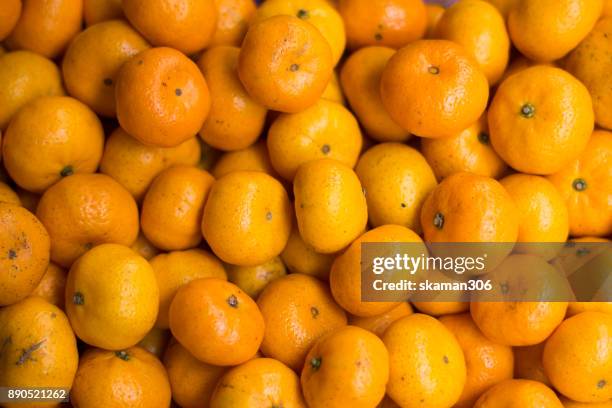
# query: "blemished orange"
(345, 274)
(434, 13)
(349, 366)
(191, 380)
(319, 13)
(487, 362)
(391, 23)
(7, 195)
(162, 98)
(177, 268)
(52, 286)
(422, 77)
(586, 186)
(233, 17)
(360, 78)
(51, 138)
(519, 394)
(42, 350)
(330, 205)
(216, 322)
(9, 15)
(135, 165)
(546, 30)
(528, 363)
(128, 378)
(469, 150)
(298, 309)
(187, 25)
(397, 180)
(424, 351)
(292, 80)
(25, 76)
(97, 11)
(46, 27)
(260, 382)
(112, 297)
(85, 210)
(324, 130)
(247, 218)
(253, 279)
(378, 324)
(252, 158)
(93, 59)
(171, 213)
(578, 357)
(25, 245)
(481, 30)
(441, 308)
(235, 120)
(299, 257)
(540, 119)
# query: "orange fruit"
(24, 243)
(441, 308)
(324, 130)
(434, 13)
(85, 210)
(253, 279)
(297, 309)
(290, 81)
(252, 158)
(235, 121)
(573, 404)
(378, 324)
(7, 195)
(607, 9)
(247, 218)
(347, 366)
(155, 341)
(52, 286)
(93, 59)
(162, 98)
(187, 25)
(299, 257)
(546, 30)
(586, 186)
(391, 23)
(97, 11)
(333, 91)
(360, 78)
(9, 15)
(49, 139)
(528, 363)
(578, 307)
(420, 80)
(233, 17)
(503, 6)
(519, 393)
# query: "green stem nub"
(527, 110)
(579, 184)
(78, 298)
(232, 301)
(433, 70)
(122, 354)
(315, 363)
(303, 14)
(67, 171)
(438, 221)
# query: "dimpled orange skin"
(480, 29)
(7, 195)
(253, 279)
(391, 23)
(96, 11)
(427, 367)
(348, 367)
(299, 257)
(528, 363)
(345, 274)
(25, 76)
(378, 324)
(135, 165)
(85, 210)
(433, 88)
(216, 322)
(324, 130)
(162, 99)
(578, 357)
(93, 59)
(397, 180)
(252, 158)
(187, 26)
(360, 79)
(469, 150)
(24, 245)
(51, 138)
(192, 381)
(285, 63)
(130, 378)
(235, 120)
(247, 218)
(586, 186)
(9, 15)
(171, 214)
(330, 205)
(39, 348)
(233, 17)
(467, 207)
(534, 132)
(519, 394)
(112, 297)
(52, 286)
(177, 268)
(546, 30)
(319, 13)
(487, 362)
(298, 309)
(260, 383)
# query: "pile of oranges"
(186, 185)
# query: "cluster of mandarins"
(223, 270)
